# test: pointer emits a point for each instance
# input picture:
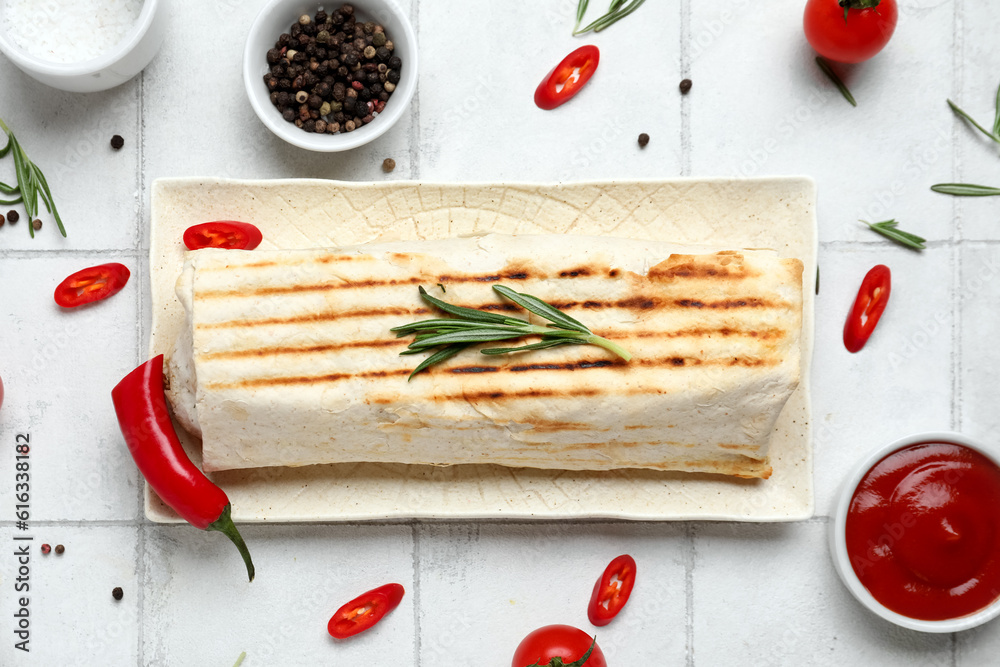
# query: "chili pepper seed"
(643, 140)
(685, 86)
(46, 548)
(388, 165)
(12, 217)
(117, 593)
(117, 142)
(60, 548)
(37, 224)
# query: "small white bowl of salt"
(82, 45)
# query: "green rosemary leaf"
(467, 313)
(474, 336)
(541, 345)
(541, 308)
(24, 184)
(617, 12)
(441, 355)
(407, 329)
(5, 149)
(837, 81)
(619, 15)
(889, 229)
(7, 189)
(9, 202)
(958, 111)
(47, 194)
(239, 660)
(966, 190)
(581, 9)
(996, 120)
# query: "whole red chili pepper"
(142, 415)
(868, 307)
(567, 78)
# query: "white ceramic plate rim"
(178, 202)
(838, 538)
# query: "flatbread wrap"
(287, 357)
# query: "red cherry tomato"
(868, 307)
(91, 284)
(364, 611)
(558, 645)
(567, 78)
(228, 234)
(612, 590)
(850, 31)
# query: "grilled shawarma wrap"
(288, 359)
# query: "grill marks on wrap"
(678, 272)
(636, 303)
(659, 363)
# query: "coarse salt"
(68, 31)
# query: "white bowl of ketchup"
(915, 534)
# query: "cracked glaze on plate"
(752, 213)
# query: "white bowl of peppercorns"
(330, 77)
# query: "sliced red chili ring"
(612, 590)
(91, 284)
(228, 234)
(568, 77)
(868, 307)
(364, 611)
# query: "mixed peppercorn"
(332, 73)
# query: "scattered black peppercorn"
(331, 72)
(685, 86)
(388, 165)
(60, 548)
(117, 142)
(117, 593)
(13, 216)
(36, 224)
(46, 548)
(2, 220)
(643, 140)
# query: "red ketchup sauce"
(922, 531)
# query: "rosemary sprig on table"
(837, 81)
(889, 229)
(448, 336)
(618, 10)
(995, 134)
(31, 183)
(966, 190)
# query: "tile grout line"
(141, 539)
(958, 53)
(415, 105)
(8, 253)
(689, 558)
(416, 594)
(685, 48)
(690, 528)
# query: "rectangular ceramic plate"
(773, 213)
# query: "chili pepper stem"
(224, 524)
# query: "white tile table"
(709, 593)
